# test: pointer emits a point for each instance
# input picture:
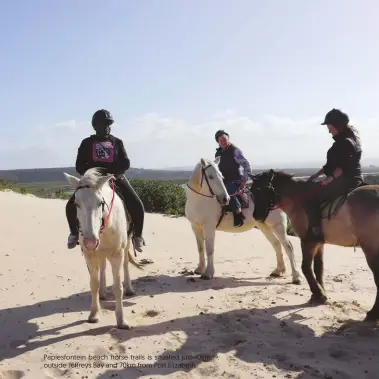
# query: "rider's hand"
(242, 184)
(326, 181)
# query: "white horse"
(103, 227)
(206, 194)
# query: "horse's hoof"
(296, 281)
(198, 272)
(93, 320)
(277, 273)
(129, 293)
(124, 326)
(318, 300)
(205, 277)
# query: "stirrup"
(139, 246)
(238, 219)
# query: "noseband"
(104, 223)
(204, 176)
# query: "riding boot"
(135, 208)
(314, 233)
(73, 238)
(238, 219)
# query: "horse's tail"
(133, 262)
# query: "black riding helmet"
(102, 117)
(220, 133)
(101, 122)
(336, 118)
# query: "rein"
(203, 175)
(105, 223)
(296, 199)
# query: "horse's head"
(208, 176)
(91, 200)
(265, 196)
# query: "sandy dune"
(239, 325)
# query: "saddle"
(331, 208)
(244, 199)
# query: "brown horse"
(356, 223)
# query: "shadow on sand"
(17, 328)
(258, 336)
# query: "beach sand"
(241, 324)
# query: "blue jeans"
(232, 188)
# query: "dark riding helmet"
(220, 133)
(336, 117)
(102, 118)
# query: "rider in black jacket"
(342, 169)
(107, 151)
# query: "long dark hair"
(352, 132)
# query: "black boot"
(238, 219)
(314, 233)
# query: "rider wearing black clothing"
(107, 151)
(342, 169)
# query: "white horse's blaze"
(203, 212)
(93, 196)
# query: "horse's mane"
(94, 177)
(284, 178)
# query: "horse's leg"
(318, 294)
(128, 288)
(200, 248)
(318, 266)
(103, 265)
(275, 243)
(209, 235)
(116, 263)
(280, 230)
(93, 268)
(372, 258)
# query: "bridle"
(104, 222)
(204, 176)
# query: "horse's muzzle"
(223, 200)
(91, 243)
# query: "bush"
(158, 196)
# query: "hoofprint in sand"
(238, 325)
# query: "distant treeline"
(158, 196)
(55, 175)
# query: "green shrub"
(158, 196)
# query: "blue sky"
(173, 72)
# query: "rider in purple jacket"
(235, 168)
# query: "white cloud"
(157, 140)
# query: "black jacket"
(345, 154)
(108, 153)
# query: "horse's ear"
(73, 180)
(203, 163)
(217, 160)
(271, 174)
(105, 179)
